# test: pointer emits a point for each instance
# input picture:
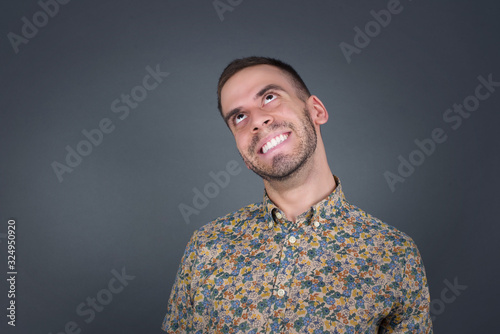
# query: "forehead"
(243, 86)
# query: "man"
(304, 260)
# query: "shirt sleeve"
(180, 311)
(411, 314)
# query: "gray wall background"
(119, 208)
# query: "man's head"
(272, 115)
(238, 64)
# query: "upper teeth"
(274, 142)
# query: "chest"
(294, 282)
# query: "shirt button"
(316, 224)
(281, 292)
(270, 224)
(292, 239)
(279, 215)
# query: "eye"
(239, 118)
(269, 97)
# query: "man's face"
(272, 126)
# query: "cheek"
(241, 143)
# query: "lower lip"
(277, 146)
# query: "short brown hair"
(238, 64)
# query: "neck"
(309, 185)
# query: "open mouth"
(275, 141)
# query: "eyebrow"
(260, 93)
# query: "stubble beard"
(284, 166)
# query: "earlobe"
(318, 111)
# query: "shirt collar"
(321, 211)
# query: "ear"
(318, 112)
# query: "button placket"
(284, 277)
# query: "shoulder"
(375, 231)
(232, 224)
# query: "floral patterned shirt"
(336, 269)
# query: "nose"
(260, 120)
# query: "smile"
(274, 142)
